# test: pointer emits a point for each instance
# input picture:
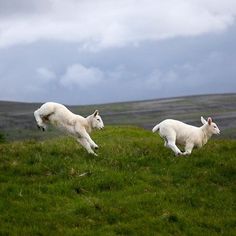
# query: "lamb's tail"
(156, 128)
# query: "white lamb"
(76, 125)
(174, 131)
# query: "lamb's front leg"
(188, 148)
(90, 141)
(86, 145)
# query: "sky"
(80, 52)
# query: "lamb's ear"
(96, 113)
(203, 120)
(209, 120)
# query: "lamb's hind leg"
(86, 145)
(171, 144)
(40, 123)
(166, 142)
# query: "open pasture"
(134, 187)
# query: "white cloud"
(81, 76)
(110, 23)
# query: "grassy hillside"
(134, 187)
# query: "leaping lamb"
(176, 132)
(76, 125)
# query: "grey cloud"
(98, 25)
(173, 67)
(45, 75)
(13, 8)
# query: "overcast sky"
(101, 51)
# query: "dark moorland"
(17, 121)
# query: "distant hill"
(17, 121)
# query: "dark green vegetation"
(17, 121)
(2, 138)
(134, 187)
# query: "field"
(49, 185)
(134, 187)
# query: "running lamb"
(176, 132)
(76, 125)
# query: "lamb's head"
(211, 127)
(96, 120)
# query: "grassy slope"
(134, 187)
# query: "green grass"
(2, 138)
(134, 187)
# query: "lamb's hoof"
(96, 147)
(178, 154)
(187, 154)
(41, 128)
(93, 153)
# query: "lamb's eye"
(98, 119)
